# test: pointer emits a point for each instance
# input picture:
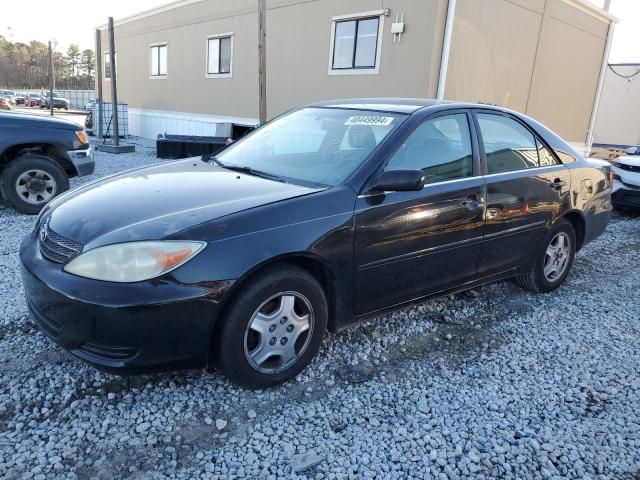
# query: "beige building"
(618, 120)
(191, 67)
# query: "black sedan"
(323, 217)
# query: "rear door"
(409, 244)
(527, 188)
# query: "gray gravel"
(490, 383)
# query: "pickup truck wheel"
(30, 181)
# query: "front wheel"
(553, 261)
(30, 181)
(272, 329)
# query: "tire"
(238, 349)
(536, 280)
(53, 181)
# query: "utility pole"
(114, 89)
(115, 146)
(98, 109)
(52, 79)
(262, 60)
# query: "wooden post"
(262, 60)
(52, 79)
(98, 121)
(114, 88)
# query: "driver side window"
(440, 147)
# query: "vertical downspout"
(596, 100)
(446, 47)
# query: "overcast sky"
(65, 22)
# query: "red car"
(32, 100)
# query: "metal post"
(114, 89)
(262, 60)
(446, 47)
(98, 57)
(596, 99)
(52, 79)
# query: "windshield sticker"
(369, 120)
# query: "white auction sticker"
(369, 120)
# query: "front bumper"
(626, 187)
(626, 197)
(123, 328)
(83, 161)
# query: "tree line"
(25, 66)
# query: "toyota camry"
(325, 216)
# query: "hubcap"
(36, 187)
(557, 257)
(279, 332)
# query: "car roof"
(394, 105)
(398, 105)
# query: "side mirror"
(400, 181)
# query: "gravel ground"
(489, 383)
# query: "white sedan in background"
(626, 180)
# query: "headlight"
(134, 261)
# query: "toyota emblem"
(44, 231)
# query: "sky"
(64, 22)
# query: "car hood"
(16, 119)
(633, 160)
(156, 202)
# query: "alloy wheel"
(557, 257)
(279, 332)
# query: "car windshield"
(318, 146)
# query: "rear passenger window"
(545, 156)
(440, 147)
(507, 144)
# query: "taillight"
(611, 177)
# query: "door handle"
(557, 184)
(471, 202)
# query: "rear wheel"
(30, 181)
(553, 261)
(272, 329)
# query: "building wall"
(540, 57)
(618, 120)
(298, 52)
(299, 34)
(186, 88)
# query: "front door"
(410, 244)
(527, 188)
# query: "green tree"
(87, 60)
(73, 58)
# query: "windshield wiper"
(251, 171)
(243, 169)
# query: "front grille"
(108, 352)
(56, 247)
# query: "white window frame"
(206, 56)
(357, 16)
(151, 47)
(104, 70)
